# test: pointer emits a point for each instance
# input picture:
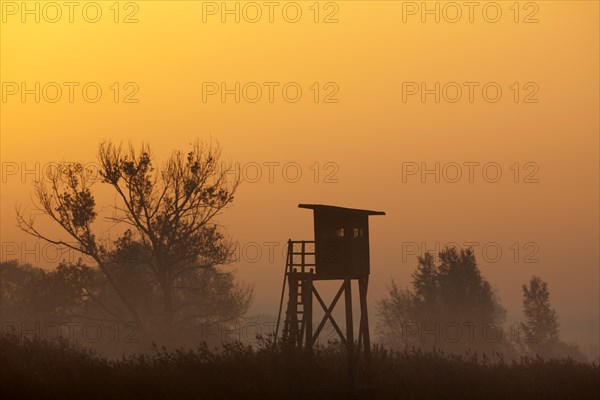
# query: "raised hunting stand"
(340, 251)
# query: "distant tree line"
(163, 272)
(451, 306)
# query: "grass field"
(33, 368)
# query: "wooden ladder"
(299, 304)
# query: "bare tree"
(171, 238)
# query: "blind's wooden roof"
(355, 211)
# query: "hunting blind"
(339, 251)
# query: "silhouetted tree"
(540, 329)
(59, 294)
(165, 263)
(450, 305)
(13, 276)
(541, 325)
(425, 281)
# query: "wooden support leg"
(349, 332)
(363, 285)
(307, 301)
(292, 310)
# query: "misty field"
(34, 368)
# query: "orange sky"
(352, 151)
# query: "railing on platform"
(306, 254)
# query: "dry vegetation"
(33, 368)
